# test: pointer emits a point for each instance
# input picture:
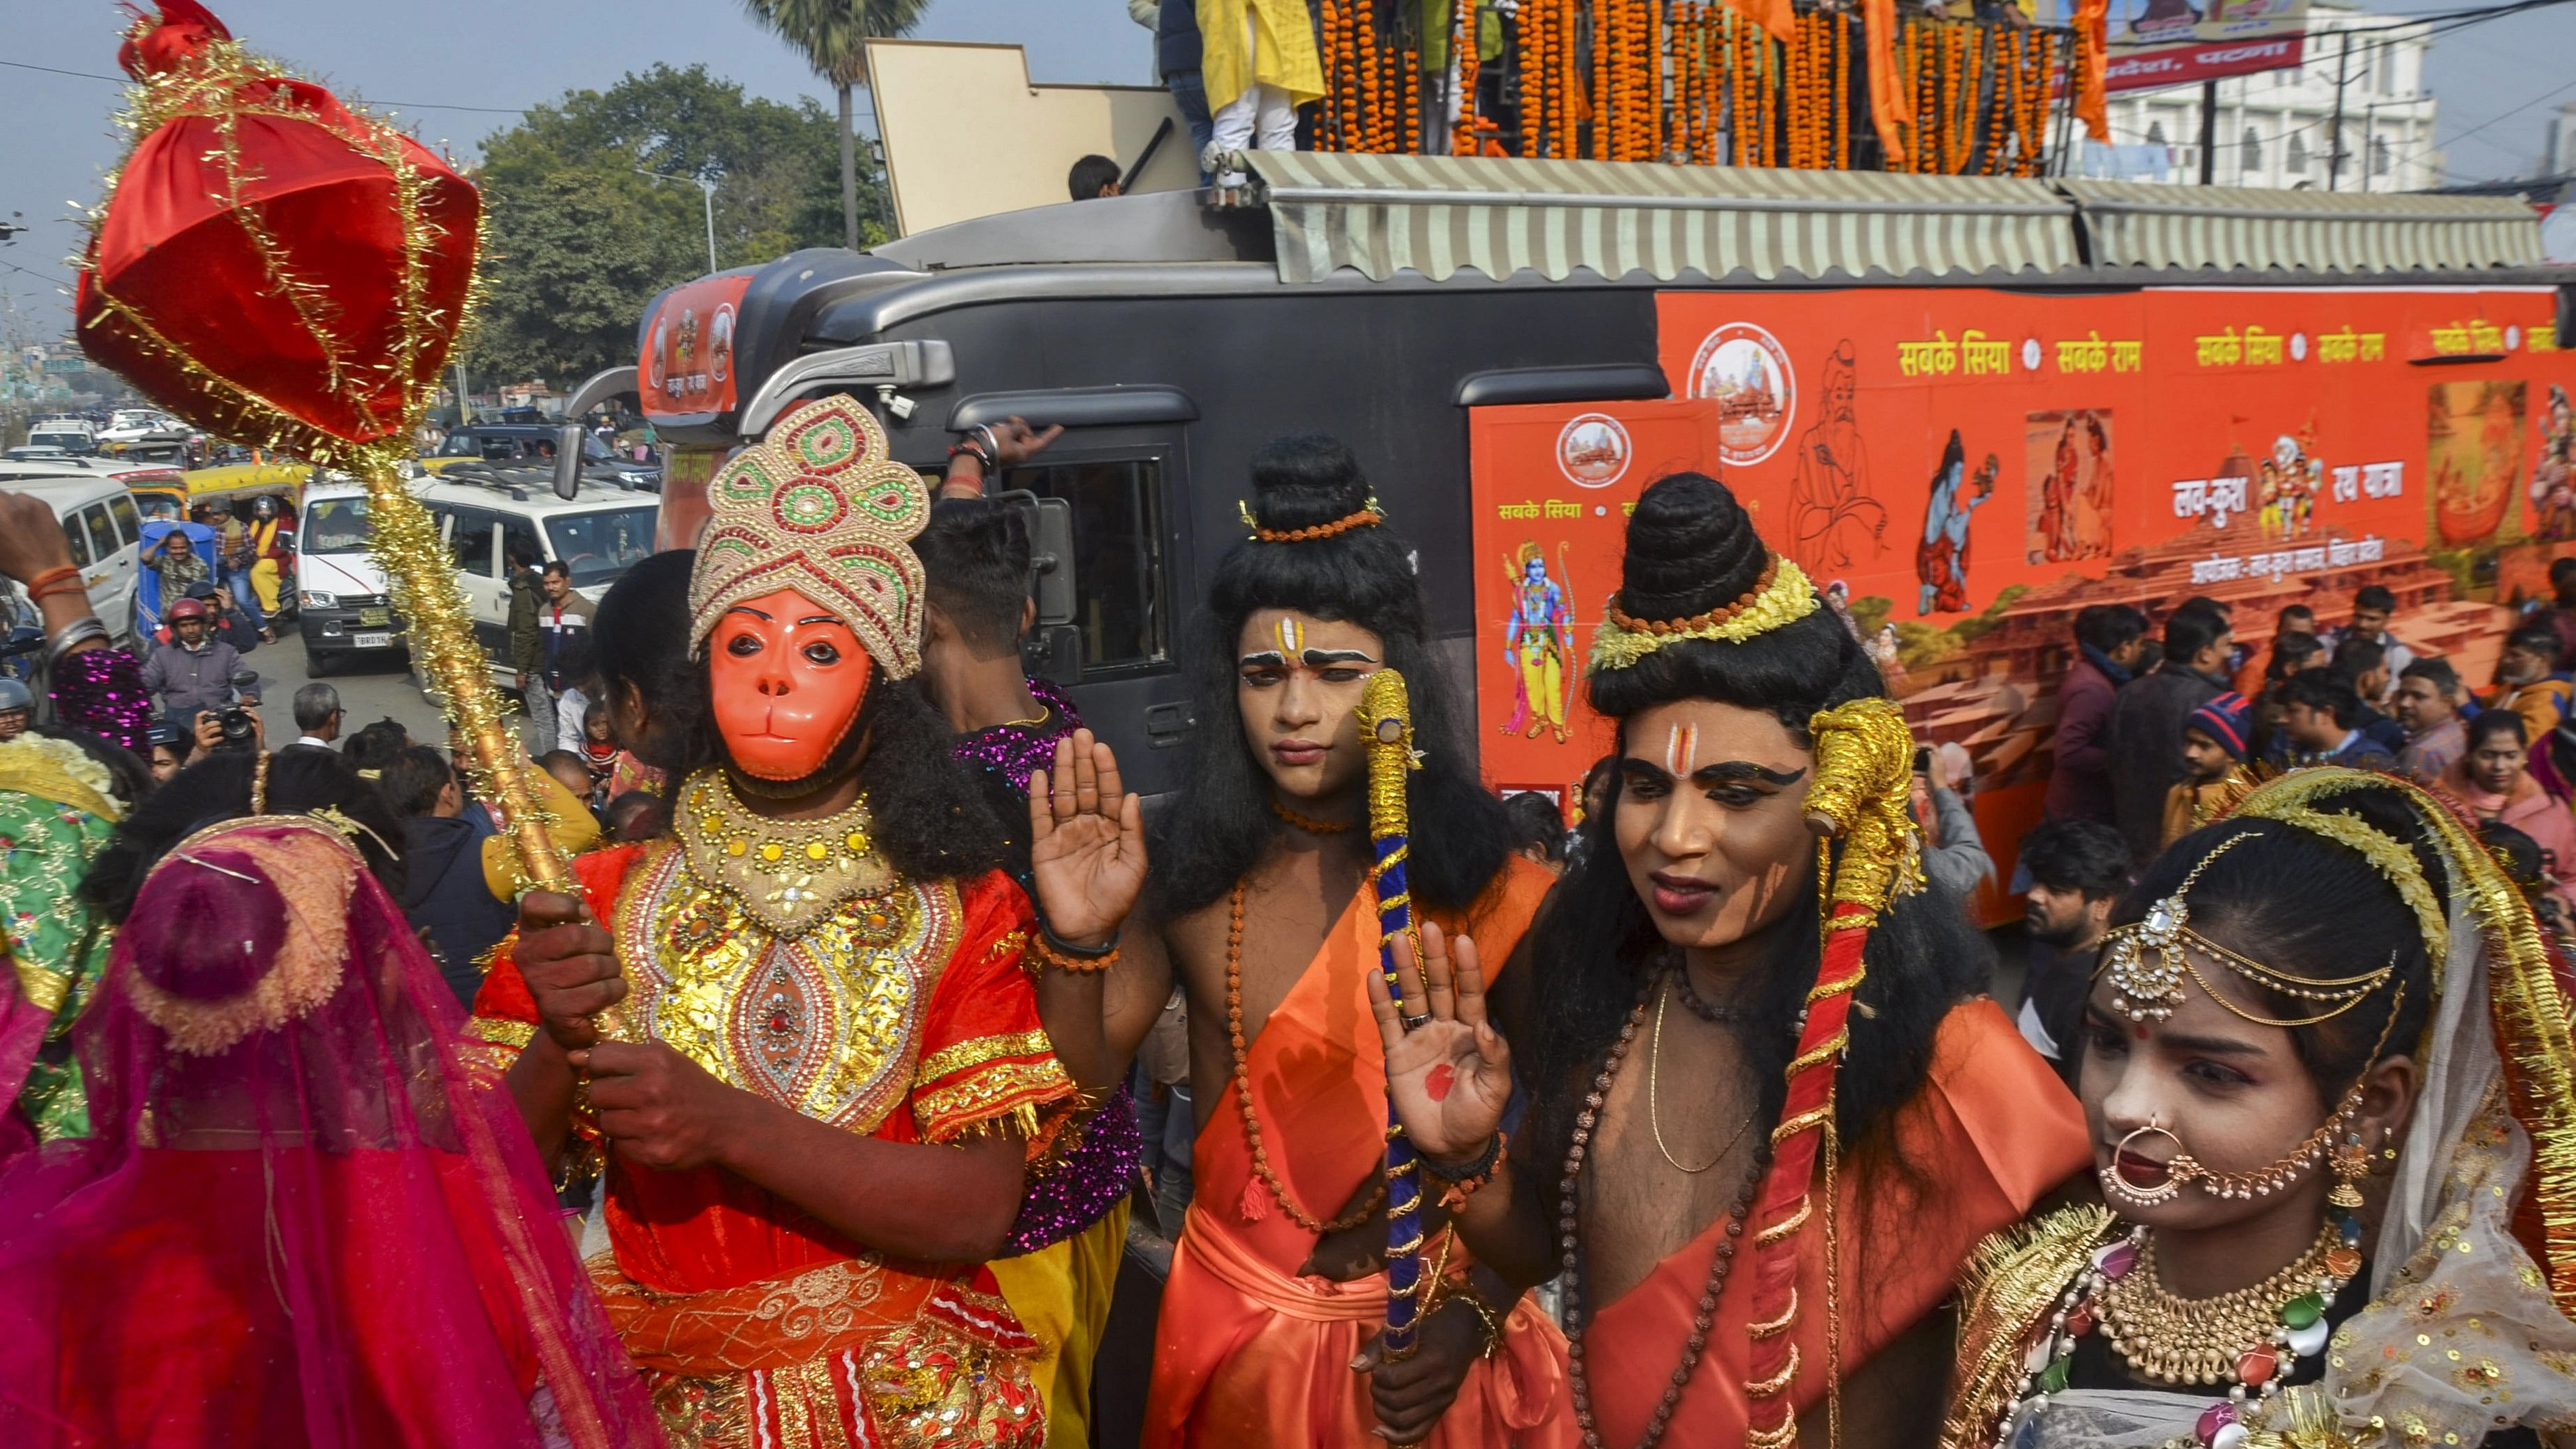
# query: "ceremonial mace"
(1386, 719)
(273, 266)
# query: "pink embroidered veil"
(307, 1216)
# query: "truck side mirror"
(568, 446)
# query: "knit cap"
(2223, 719)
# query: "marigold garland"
(1685, 82)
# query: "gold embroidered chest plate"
(827, 1022)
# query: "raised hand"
(1086, 842)
(1451, 1076)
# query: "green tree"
(575, 257)
(834, 36)
(579, 243)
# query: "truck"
(1968, 406)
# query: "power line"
(389, 105)
(31, 271)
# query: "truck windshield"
(599, 547)
(335, 525)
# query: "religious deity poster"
(1962, 470)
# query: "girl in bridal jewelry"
(2324, 1048)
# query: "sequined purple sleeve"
(1085, 1181)
(101, 690)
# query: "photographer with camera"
(196, 671)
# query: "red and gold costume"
(790, 959)
(901, 1012)
(1249, 1353)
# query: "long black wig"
(932, 821)
(1213, 833)
(1690, 549)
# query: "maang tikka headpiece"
(2148, 961)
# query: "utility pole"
(2343, 68)
(2208, 131)
(706, 187)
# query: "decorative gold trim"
(1786, 1226)
(313, 885)
(1783, 596)
(1780, 1325)
(976, 1051)
(789, 875)
(2009, 1287)
(1778, 1383)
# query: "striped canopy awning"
(2142, 224)
(1440, 215)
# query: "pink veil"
(306, 1217)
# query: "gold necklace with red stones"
(1570, 1256)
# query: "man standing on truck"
(1260, 908)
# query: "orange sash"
(1250, 1354)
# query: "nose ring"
(2163, 1192)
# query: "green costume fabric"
(55, 814)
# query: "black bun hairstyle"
(1691, 548)
(1215, 830)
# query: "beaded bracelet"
(1081, 960)
(1482, 1167)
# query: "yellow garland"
(1789, 599)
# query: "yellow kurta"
(1266, 42)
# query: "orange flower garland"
(1464, 38)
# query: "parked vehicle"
(103, 526)
(487, 515)
(1866, 359)
(533, 445)
(72, 436)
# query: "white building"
(2558, 143)
(2276, 128)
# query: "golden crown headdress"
(1782, 595)
(818, 507)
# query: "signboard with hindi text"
(1962, 470)
(2158, 43)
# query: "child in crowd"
(2213, 765)
(598, 753)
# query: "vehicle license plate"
(372, 641)
(378, 617)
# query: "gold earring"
(2350, 1163)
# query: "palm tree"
(834, 35)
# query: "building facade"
(2277, 128)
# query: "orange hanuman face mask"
(789, 677)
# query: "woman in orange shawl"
(1759, 1163)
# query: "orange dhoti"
(1251, 1354)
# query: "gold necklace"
(1654, 1113)
(2174, 1340)
(787, 874)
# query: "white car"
(101, 522)
(71, 435)
(487, 515)
(133, 425)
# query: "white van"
(101, 522)
(76, 438)
(488, 516)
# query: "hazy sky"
(2496, 82)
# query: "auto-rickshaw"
(236, 488)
